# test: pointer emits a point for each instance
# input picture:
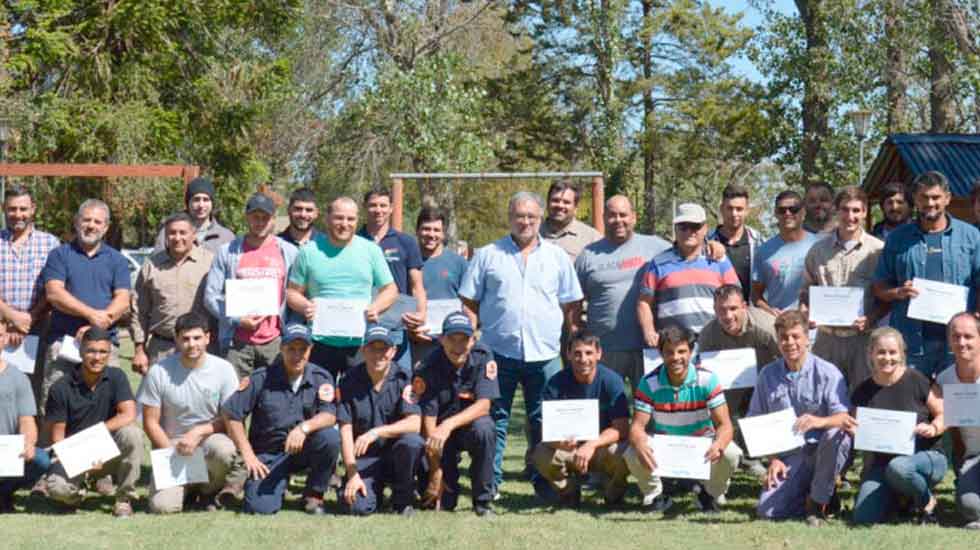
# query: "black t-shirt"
(738, 254)
(908, 394)
(71, 401)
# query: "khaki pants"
(848, 353)
(248, 357)
(557, 466)
(651, 486)
(629, 365)
(220, 457)
(124, 469)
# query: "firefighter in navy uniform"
(456, 385)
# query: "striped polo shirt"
(684, 290)
(680, 410)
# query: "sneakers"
(973, 525)
(928, 518)
(40, 488)
(6, 504)
(105, 487)
(571, 498)
(229, 496)
(754, 467)
(484, 511)
(661, 503)
(707, 503)
(407, 512)
(122, 509)
(313, 505)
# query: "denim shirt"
(225, 266)
(904, 258)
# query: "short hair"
(303, 194)
(851, 193)
(190, 321)
(178, 217)
(93, 203)
(15, 191)
(821, 184)
(789, 319)
(377, 191)
(587, 337)
(562, 185)
(344, 199)
(929, 179)
(675, 334)
(524, 196)
(788, 194)
(431, 214)
(96, 334)
(893, 188)
(725, 292)
(734, 191)
(967, 314)
(881, 333)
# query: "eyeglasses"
(689, 226)
(780, 210)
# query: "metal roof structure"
(902, 157)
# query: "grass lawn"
(520, 523)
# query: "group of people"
(554, 307)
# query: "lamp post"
(5, 131)
(860, 123)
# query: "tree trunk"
(816, 99)
(649, 125)
(896, 75)
(941, 106)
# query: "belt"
(840, 332)
(156, 336)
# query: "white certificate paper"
(83, 450)
(961, 405)
(735, 368)
(836, 306)
(770, 434)
(24, 355)
(937, 302)
(392, 317)
(69, 351)
(171, 468)
(339, 317)
(247, 297)
(11, 463)
(651, 359)
(566, 419)
(680, 457)
(436, 312)
(884, 431)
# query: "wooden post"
(398, 200)
(598, 204)
(189, 173)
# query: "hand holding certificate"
(11, 459)
(251, 297)
(836, 306)
(24, 355)
(570, 419)
(961, 405)
(86, 449)
(735, 368)
(771, 434)
(391, 318)
(651, 359)
(339, 317)
(885, 431)
(681, 457)
(171, 468)
(437, 311)
(937, 302)
(68, 351)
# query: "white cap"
(689, 212)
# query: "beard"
(90, 239)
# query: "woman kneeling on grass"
(887, 479)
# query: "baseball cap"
(457, 322)
(296, 331)
(378, 333)
(261, 201)
(689, 212)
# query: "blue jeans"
(33, 471)
(935, 358)
(910, 476)
(532, 376)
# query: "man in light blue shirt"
(778, 265)
(521, 288)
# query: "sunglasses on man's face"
(780, 210)
(689, 227)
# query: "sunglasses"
(689, 226)
(788, 209)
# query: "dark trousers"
(319, 454)
(393, 464)
(478, 439)
(334, 358)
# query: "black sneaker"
(661, 503)
(484, 511)
(6, 504)
(928, 518)
(707, 503)
(571, 498)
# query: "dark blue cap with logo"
(457, 322)
(261, 201)
(378, 333)
(296, 331)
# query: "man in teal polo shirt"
(340, 265)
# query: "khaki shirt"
(829, 264)
(758, 332)
(573, 238)
(166, 290)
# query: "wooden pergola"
(398, 188)
(185, 172)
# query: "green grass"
(520, 523)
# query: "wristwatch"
(303, 427)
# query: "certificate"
(836, 306)
(392, 317)
(436, 312)
(735, 368)
(884, 431)
(11, 463)
(651, 359)
(770, 434)
(681, 457)
(171, 468)
(937, 302)
(961, 405)
(68, 351)
(566, 419)
(340, 318)
(248, 297)
(80, 452)
(24, 355)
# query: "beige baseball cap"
(689, 212)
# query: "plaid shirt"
(20, 269)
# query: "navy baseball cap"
(261, 201)
(378, 333)
(457, 322)
(296, 331)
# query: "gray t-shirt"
(16, 400)
(442, 275)
(971, 436)
(780, 265)
(609, 275)
(188, 397)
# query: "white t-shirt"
(188, 397)
(971, 436)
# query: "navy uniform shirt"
(607, 387)
(268, 396)
(364, 408)
(445, 390)
(71, 400)
(402, 254)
